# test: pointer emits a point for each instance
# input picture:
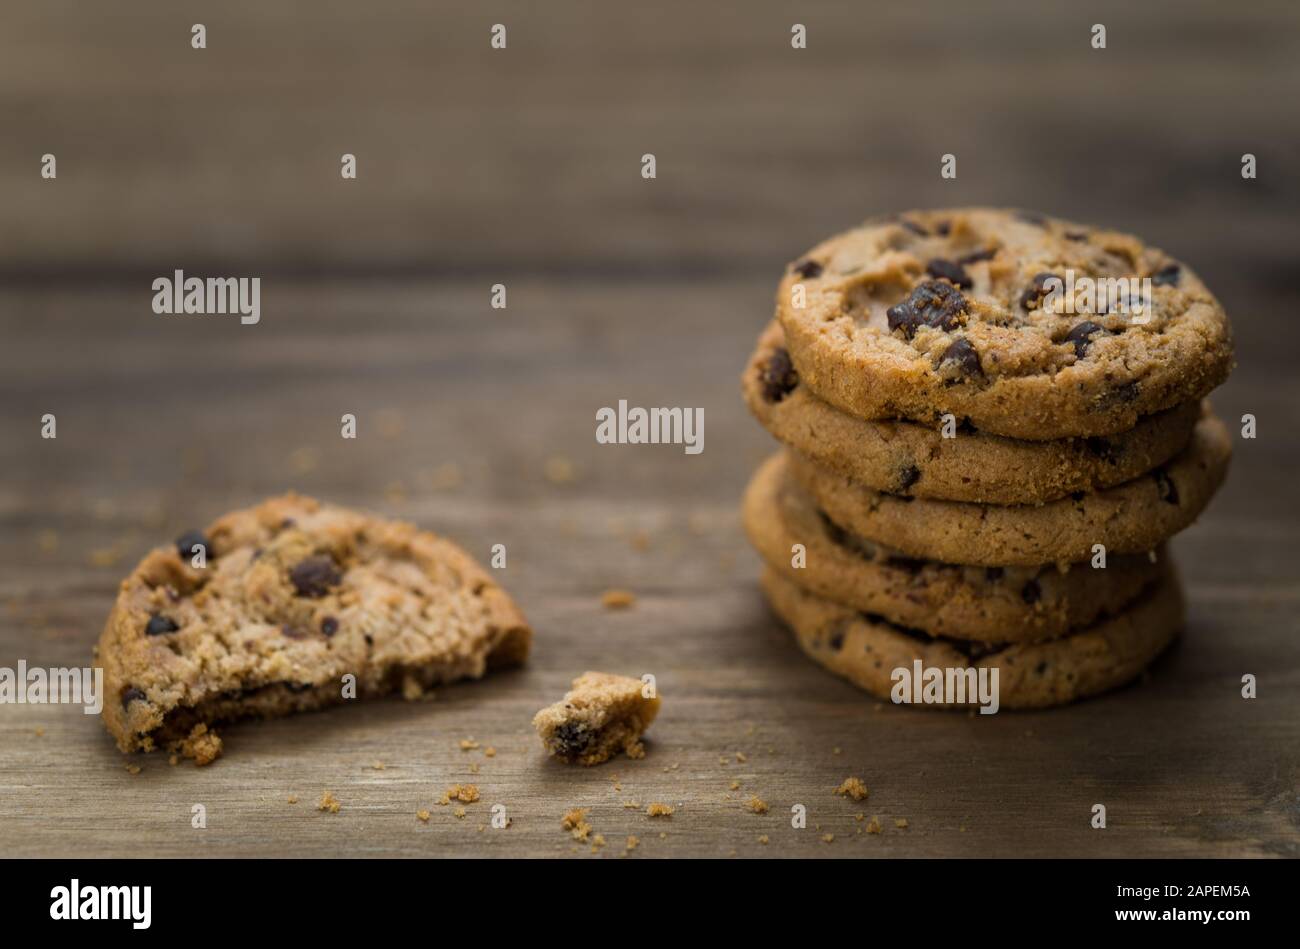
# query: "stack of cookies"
(992, 420)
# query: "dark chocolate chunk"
(1076, 235)
(943, 228)
(1167, 276)
(329, 626)
(778, 377)
(963, 355)
(934, 303)
(1035, 292)
(1078, 495)
(808, 269)
(908, 477)
(914, 227)
(1031, 592)
(1040, 668)
(1121, 394)
(1165, 486)
(159, 625)
(572, 739)
(314, 576)
(186, 542)
(1080, 335)
(293, 632)
(131, 695)
(949, 270)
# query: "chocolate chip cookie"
(600, 716)
(1129, 518)
(866, 649)
(1015, 322)
(1004, 604)
(295, 602)
(916, 460)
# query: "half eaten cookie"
(600, 716)
(290, 606)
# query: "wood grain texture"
(523, 171)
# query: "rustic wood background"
(522, 167)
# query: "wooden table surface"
(522, 167)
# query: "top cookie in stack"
(993, 389)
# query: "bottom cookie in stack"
(866, 649)
(1055, 634)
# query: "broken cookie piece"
(296, 606)
(600, 716)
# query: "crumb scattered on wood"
(617, 599)
(423, 815)
(853, 788)
(575, 822)
(756, 804)
(660, 810)
(328, 802)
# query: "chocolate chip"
(131, 695)
(1036, 290)
(159, 625)
(943, 228)
(949, 270)
(1121, 394)
(966, 427)
(962, 355)
(976, 256)
(287, 523)
(1076, 235)
(293, 632)
(314, 576)
(836, 631)
(778, 377)
(572, 739)
(914, 227)
(186, 542)
(1078, 495)
(1167, 276)
(1040, 668)
(993, 573)
(329, 626)
(934, 303)
(1031, 592)
(1079, 335)
(1165, 486)
(908, 477)
(808, 269)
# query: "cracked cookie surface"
(294, 595)
(956, 311)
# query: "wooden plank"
(479, 162)
(164, 424)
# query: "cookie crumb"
(741, 758)
(201, 744)
(133, 769)
(601, 715)
(901, 823)
(734, 786)
(174, 760)
(328, 802)
(468, 744)
(617, 599)
(575, 822)
(660, 810)
(828, 838)
(853, 788)
(873, 826)
(40, 732)
(458, 813)
(632, 842)
(489, 752)
(292, 799)
(465, 793)
(423, 815)
(756, 804)
(379, 766)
